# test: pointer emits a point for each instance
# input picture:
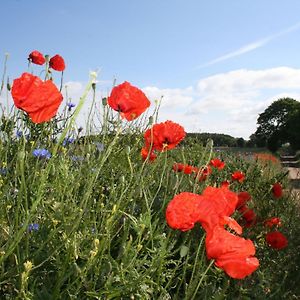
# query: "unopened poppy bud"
(104, 101)
(151, 120)
(8, 86)
(94, 86)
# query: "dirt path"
(291, 164)
(294, 177)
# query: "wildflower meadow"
(137, 210)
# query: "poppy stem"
(46, 67)
(61, 80)
(4, 73)
(202, 277)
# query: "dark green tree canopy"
(278, 124)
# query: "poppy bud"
(8, 86)
(104, 101)
(36, 57)
(151, 120)
(57, 63)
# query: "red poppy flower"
(217, 203)
(277, 190)
(37, 58)
(244, 197)
(178, 167)
(183, 211)
(238, 176)
(130, 101)
(212, 209)
(187, 169)
(231, 223)
(248, 215)
(204, 172)
(232, 253)
(217, 163)
(272, 222)
(57, 63)
(40, 99)
(195, 170)
(276, 240)
(225, 183)
(164, 136)
(144, 153)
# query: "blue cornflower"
(70, 105)
(99, 146)
(19, 133)
(33, 227)
(41, 153)
(67, 141)
(3, 171)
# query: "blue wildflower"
(70, 105)
(100, 146)
(33, 227)
(3, 171)
(67, 141)
(41, 153)
(19, 133)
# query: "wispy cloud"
(252, 46)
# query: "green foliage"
(217, 138)
(279, 124)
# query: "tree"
(293, 130)
(240, 142)
(276, 125)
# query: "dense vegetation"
(85, 219)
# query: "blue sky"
(215, 60)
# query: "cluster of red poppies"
(200, 173)
(203, 172)
(56, 62)
(266, 157)
(39, 99)
(212, 209)
(184, 211)
(131, 102)
(275, 238)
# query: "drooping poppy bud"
(57, 63)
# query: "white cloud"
(171, 97)
(229, 102)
